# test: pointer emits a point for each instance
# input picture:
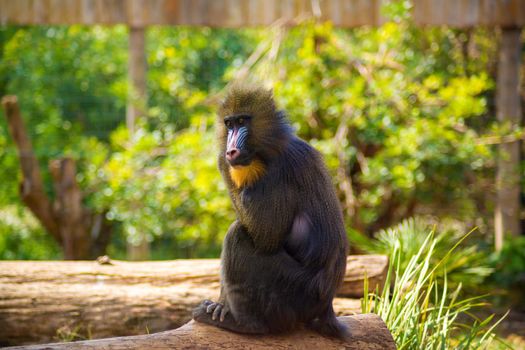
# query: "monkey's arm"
(298, 243)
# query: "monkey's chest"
(247, 197)
(245, 200)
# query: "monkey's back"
(323, 252)
(317, 198)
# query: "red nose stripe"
(232, 138)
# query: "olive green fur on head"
(253, 99)
(269, 125)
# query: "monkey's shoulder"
(301, 159)
(299, 146)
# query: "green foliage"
(166, 184)
(72, 85)
(70, 82)
(420, 308)
(397, 111)
(67, 333)
(469, 265)
(509, 264)
(21, 237)
(186, 65)
(393, 122)
(68, 79)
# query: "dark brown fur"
(285, 255)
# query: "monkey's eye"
(228, 124)
(240, 121)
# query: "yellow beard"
(247, 175)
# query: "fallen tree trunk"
(367, 332)
(164, 273)
(47, 301)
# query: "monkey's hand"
(217, 310)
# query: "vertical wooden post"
(137, 76)
(507, 214)
(137, 103)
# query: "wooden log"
(367, 332)
(170, 272)
(45, 301)
(375, 267)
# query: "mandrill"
(284, 256)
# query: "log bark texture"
(48, 301)
(367, 332)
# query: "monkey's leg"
(257, 285)
(328, 325)
(232, 310)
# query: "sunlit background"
(405, 116)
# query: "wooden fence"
(242, 13)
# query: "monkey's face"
(238, 152)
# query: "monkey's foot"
(217, 310)
(210, 309)
(331, 327)
(216, 314)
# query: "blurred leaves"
(468, 266)
(397, 111)
(167, 184)
(393, 124)
(509, 265)
(72, 88)
(185, 65)
(21, 237)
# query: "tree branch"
(31, 187)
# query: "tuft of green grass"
(468, 266)
(69, 333)
(420, 308)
